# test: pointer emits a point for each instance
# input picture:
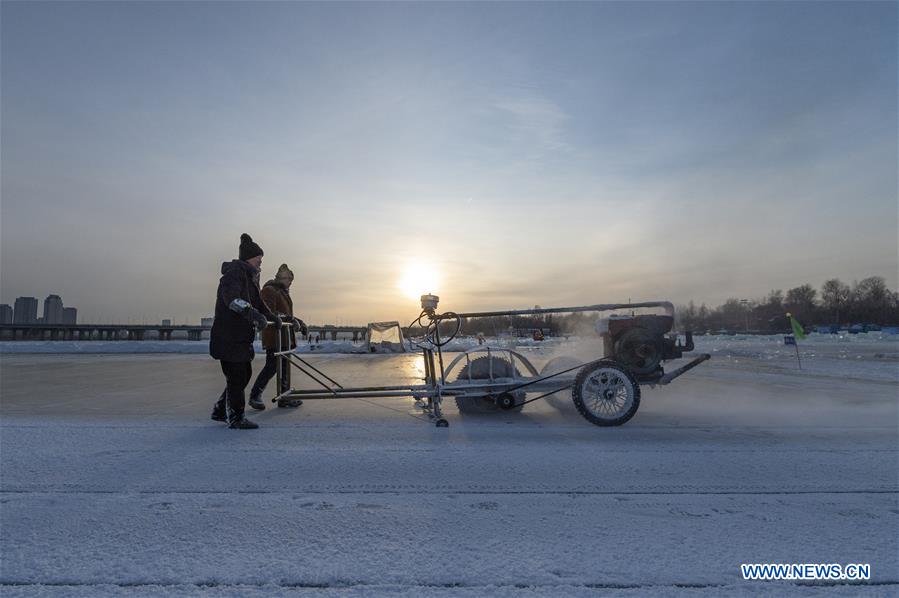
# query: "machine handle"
(683, 369)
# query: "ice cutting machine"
(488, 378)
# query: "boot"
(290, 402)
(243, 424)
(218, 410)
(256, 400)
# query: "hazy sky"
(549, 154)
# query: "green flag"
(798, 332)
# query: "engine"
(641, 342)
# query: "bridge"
(137, 332)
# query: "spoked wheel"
(606, 394)
(479, 369)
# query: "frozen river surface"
(114, 482)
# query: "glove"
(277, 320)
(257, 318)
(300, 326)
(239, 305)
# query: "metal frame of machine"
(606, 391)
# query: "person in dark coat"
(239, 312)
(276, 295)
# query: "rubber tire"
(479, 405)
(581, 379)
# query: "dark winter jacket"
(277, 298)
(232, 333)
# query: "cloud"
(534, 123)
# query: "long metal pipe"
(409, 388)
(315, 394)
(560, 310)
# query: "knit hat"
(284, 272)
(248, 249)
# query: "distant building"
(6, 314)
(69, 316)
(206, 322)
(53, 309)
(166, 322)
(25, 311)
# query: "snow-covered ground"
(114, 482)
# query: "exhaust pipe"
(688, 335)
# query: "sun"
(418, 279)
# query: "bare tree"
(801, 301)
(835, 296)
(872, 299)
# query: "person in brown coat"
(276, 296)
